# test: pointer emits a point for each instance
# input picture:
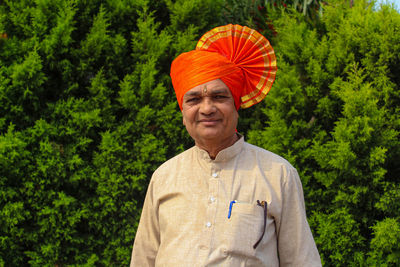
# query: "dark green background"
(87, 112)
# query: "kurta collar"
(225, 154)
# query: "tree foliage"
(87, 113)
(334, 113)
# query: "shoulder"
(173, 164)
(264, 155)
(268, 162)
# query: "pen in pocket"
(264, 205)
(230, 208)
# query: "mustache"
(208, 119)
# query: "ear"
(183, 119)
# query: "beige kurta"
(185, 222)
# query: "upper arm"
(296, 245)
(147, 239)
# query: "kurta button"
(208, 224)
(215, 175)
(212, 199)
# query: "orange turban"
(241, 57)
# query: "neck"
(214, 147)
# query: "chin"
(210, 132)
(212, 135)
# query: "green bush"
(334, 113)
(87, 112)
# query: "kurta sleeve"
(147, 239)
(296, 246)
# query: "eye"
(220, 96)
(192, 99)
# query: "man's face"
(209, 112)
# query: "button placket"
(208, 229)
(209, 224)
(212, 199)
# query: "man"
(224, 202)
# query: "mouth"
(209, 122)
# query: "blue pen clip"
(230, 208)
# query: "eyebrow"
(211, 92)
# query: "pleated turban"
(241, 57)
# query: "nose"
(207, 106)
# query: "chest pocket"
(244, 227)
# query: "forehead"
(213, 87)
